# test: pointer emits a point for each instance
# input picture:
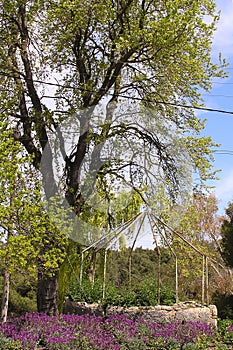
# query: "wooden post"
(195, 249)
(104, 276)
(173, 253)
(93, 269)
(207, 280)
(130, 271)
(131, 250)
(203, 281)
(159, 276)
(177, 283)
(159, 261)
(81, 271)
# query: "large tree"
(69, 59)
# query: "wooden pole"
(159, 276)
(203, 281)
(93, 269)
(104, 276)
(159, 261)
(173, 253)
(81, 271)
(131, 250)
(207, 280)
(130, 271)
(177, 283)
(195, 249)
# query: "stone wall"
(184, 311)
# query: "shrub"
(9, 344)
(22, 297)
(144, 293)
(225, 331)
(20, 305)
(224, 304)
(86, 292)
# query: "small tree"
(198, 224)
(16, 213)
(23, 223)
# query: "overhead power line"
(221, 83)
(145, 100)
(224, 152)
(165, 103)
(217, 95)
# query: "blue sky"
(220, 126)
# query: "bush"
(143, 294)
(224, 305)
(86, 292)
(225, 331)
(9, 344)
(20, 305)
(22, 296)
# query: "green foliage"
(227, 237)
(225, 331)
(100, 47)
(224, 304)
(87, 292)
(142, 294)
(195, 231)
(28, 237)
(22, 298)
(202, 343)
(9, 344)
(144, 262)
(18, 209)
(70, 262)
(19, 305)
(24, 224)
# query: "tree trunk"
(47, 293)
(5, 296)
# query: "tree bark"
(47, 293)
(5, 296)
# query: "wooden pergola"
(132, 230)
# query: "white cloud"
(223, 38)
(224, 190)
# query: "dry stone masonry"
(183, 311)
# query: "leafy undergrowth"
(69, 332)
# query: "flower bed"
(71, 332)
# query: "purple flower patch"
(71, 332)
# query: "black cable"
(145, 100)
(141, 99)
